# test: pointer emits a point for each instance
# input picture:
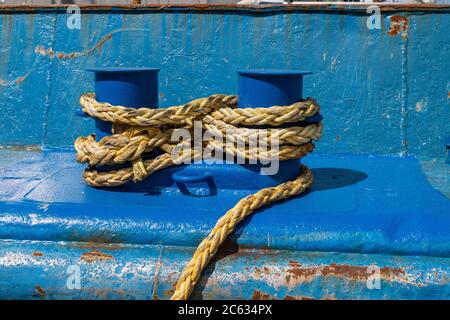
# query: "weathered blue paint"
(387, 87)
(40, 270)
(383, 92)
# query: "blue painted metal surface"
(380, 89)
(383, 85)
(267, 88)
(41, 270)
(123, 241)
(357, 204)
(131, 87)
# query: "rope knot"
(145, 138)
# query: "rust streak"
(97, 245)
(398, 24)
(40, 291)
(41, 51)
(77, 54)
(37, 254)
(359, 273)
(96, 255)
(62, 55)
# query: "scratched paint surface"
(382, 91)
(40, 271)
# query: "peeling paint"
(11, 259)
(359, 273)
(95, 255)
(421, 106)
(97, 245)
(312, 275)
(258, 295)
(296, 274)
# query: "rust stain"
(295, 274)
(96, 245)
(62, 55)
(41, 51)
(359, 273)
(37, 254)
(448, 95)
(96, 255)
(77, 54)
(398, 24)
(94, 240)
(294, 264)
(18, 80)
(259, 295)
(40, 291)
(266, 270)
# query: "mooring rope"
(136, 132)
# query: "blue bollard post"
(263, 88)
(266, 88)
(136, 87)
(129, 87)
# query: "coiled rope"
(136, 132)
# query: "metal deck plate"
(357, 204)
